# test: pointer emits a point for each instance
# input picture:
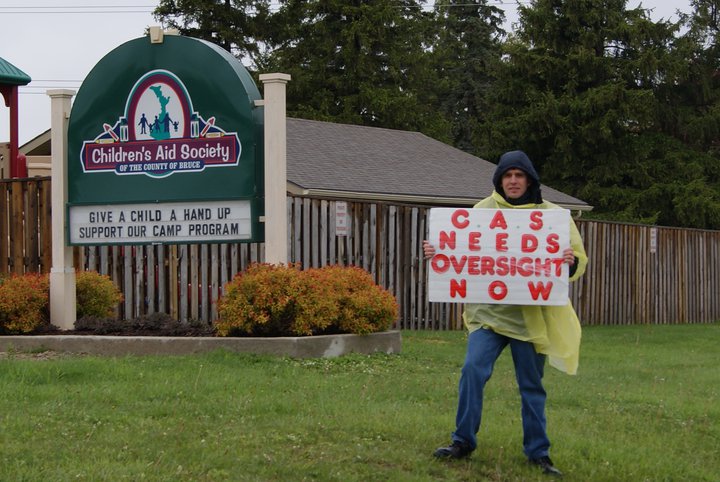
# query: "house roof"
(345, 161)
(11, 75)
(342, 160)
(38, 145)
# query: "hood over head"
(518, 160)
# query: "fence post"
(62, 274)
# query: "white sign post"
(276, 234)
(501, 256)
(63, 287)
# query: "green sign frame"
(173, 122)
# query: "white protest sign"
(506, 256)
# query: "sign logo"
(160, 134)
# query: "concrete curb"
(323, 346)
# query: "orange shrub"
(363, 306)
(24, 302)
(271, 300)
(96, 295)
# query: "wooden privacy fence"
(25, 228)
(636, 274)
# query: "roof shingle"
(359, 159)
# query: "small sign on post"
(342, 224)
(653, 240)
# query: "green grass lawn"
(645, 405)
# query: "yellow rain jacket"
(554, 330)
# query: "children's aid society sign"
(165, 146)
(504, 256)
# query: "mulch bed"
(150, 325)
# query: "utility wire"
(39, 12)
(104, 9)
(31, 7)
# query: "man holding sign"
(509, 259)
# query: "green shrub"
(96, 295)
(24, 302)
(272, 300)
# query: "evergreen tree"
(613, 108)
(360, 62)
(467, 50)
(579, 90)
(238, 26)
(687, 188)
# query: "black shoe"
(457, 450)
(546, 465)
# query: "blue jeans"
(484, 347)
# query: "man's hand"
(429, 249)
